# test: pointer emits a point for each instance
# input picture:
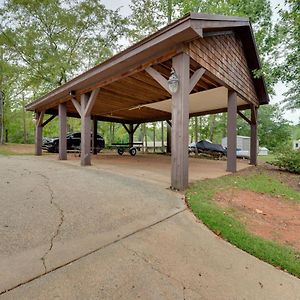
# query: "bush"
(288, 160)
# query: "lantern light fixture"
(173, 82)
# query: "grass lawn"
(200, 198)
(266, 158)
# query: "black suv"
(73, 142)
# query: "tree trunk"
(145, 137)
(200, 128)
(212, 128)
(24, 121)
(196, 129)
(154, 125)
(110, 133)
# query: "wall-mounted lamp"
(173, 82)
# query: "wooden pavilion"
(212, 59)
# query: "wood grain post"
(253, 141)
(131, 133)
(231, 131)
(85, 147)
(169, 130)
(62, 146)
(39, 133)
(180, 124)
(94, 142)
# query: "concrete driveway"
(68, 232)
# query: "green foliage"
(273, 130)
(45, 43)
(287, 159)
(290, 35)
(225, 224)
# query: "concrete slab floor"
(83, 233)
(155, 168)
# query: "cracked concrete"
(113, 237)
(61, 213)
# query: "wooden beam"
(169, 136)
(195, 78)
(180, 124)
(85, 147)
(253, 114)
(126, 128)
(158, 77)
(62, 146)
(40, 118)
(48, 120)
(231, 131)
(76, 105)
(253, 139)
(94, 141)
(244, 117)
(39, 133)
(136, 127)
(91, 102)
(131, 133)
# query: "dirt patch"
(273, 218)
(18, 148)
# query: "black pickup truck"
(73, 142)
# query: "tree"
(149, 15)
(44, 43)
(290, 34)
(56, 40)
(274, 131)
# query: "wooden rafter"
(40, 118)
(48, 120)
(196, 77)
(91, 102)
(244, 117)
(76, 105)
(158, 77)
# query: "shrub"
(288, 160)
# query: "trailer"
(132, 148)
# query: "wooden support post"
(85, 147)
(231, 131)
(180, 124)
(84, 109)
(169, 130)
(39, 133)
(94, 142)
(253, 141)
(62, 146)
(162, 138)
(180, 116)
(131, 133)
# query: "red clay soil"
(273, 218)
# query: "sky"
(280, 88)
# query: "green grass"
(224, 223)
(266, 158)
